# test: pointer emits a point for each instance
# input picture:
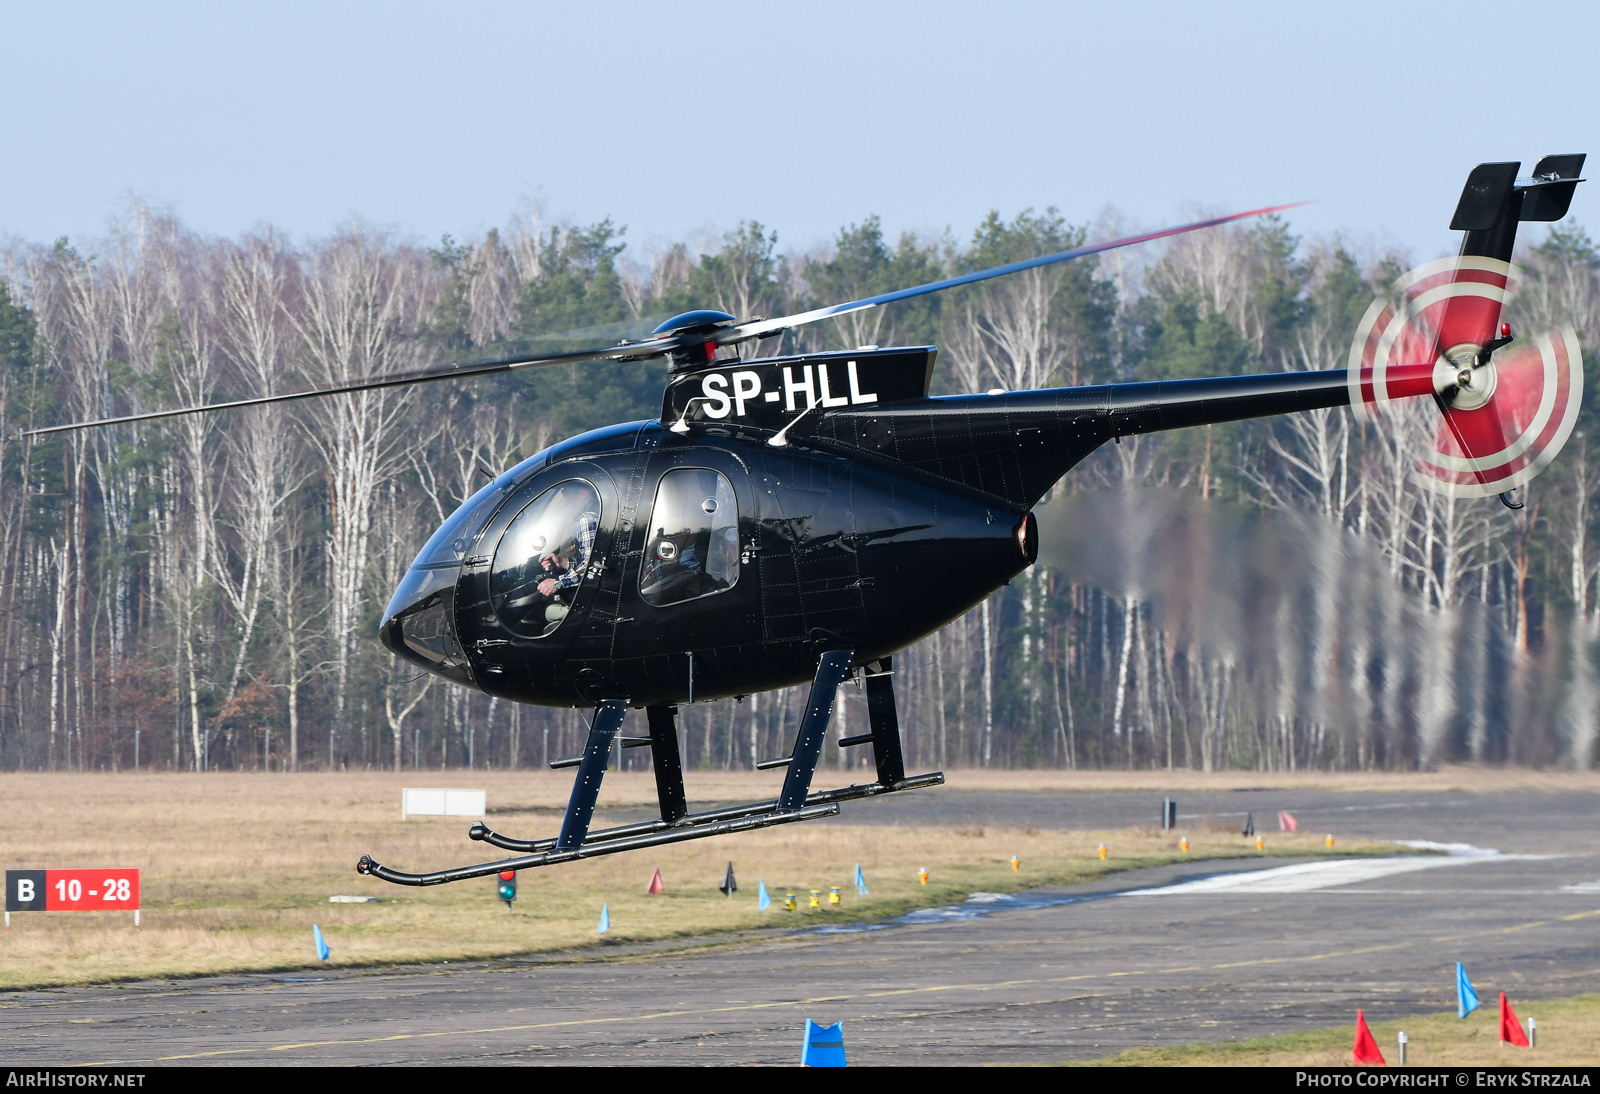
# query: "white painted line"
(1308, 877)
(1463, 850)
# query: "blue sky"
(676, 118)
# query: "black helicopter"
(804, 518)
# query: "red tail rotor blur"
(1504, 415)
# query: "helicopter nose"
(419, 623)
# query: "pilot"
(566, 573)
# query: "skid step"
(626, 742)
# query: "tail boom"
(1015, 445)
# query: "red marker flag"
(1286, 823)
(656, 884)
(1510, 1028)
(1366, 1050)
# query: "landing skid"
(627, 831)
(677, 824)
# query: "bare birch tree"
(360, 295)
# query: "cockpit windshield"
(452, 540)
(455, 535)
(543, 558)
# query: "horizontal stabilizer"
(1493, 192)
(1549, 193)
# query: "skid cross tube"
(586, 787)
(885, 723)
(664, 759)
(591, 850)
(831, 670)
(487, 835)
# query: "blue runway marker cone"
(763, 901)
(824, 1045)
(605, 919)
(861, 882)
(1466, 998)
(320, 943)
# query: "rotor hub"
(694, 321)
(696, 332)
(1463, 382)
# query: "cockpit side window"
(693, 549)
(543, 558)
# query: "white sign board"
(425, 802)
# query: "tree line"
(203, 593)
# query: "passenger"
(723, 564)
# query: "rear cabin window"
(693, 549)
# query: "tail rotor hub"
(1465, 378)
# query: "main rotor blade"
(763, 327)
(605, 334)
(627, 352)
(656, 347)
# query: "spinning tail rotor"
(1506, 406)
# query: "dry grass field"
(1569, 1035)
(237, 867)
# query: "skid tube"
(486, 834)
(591, 850)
